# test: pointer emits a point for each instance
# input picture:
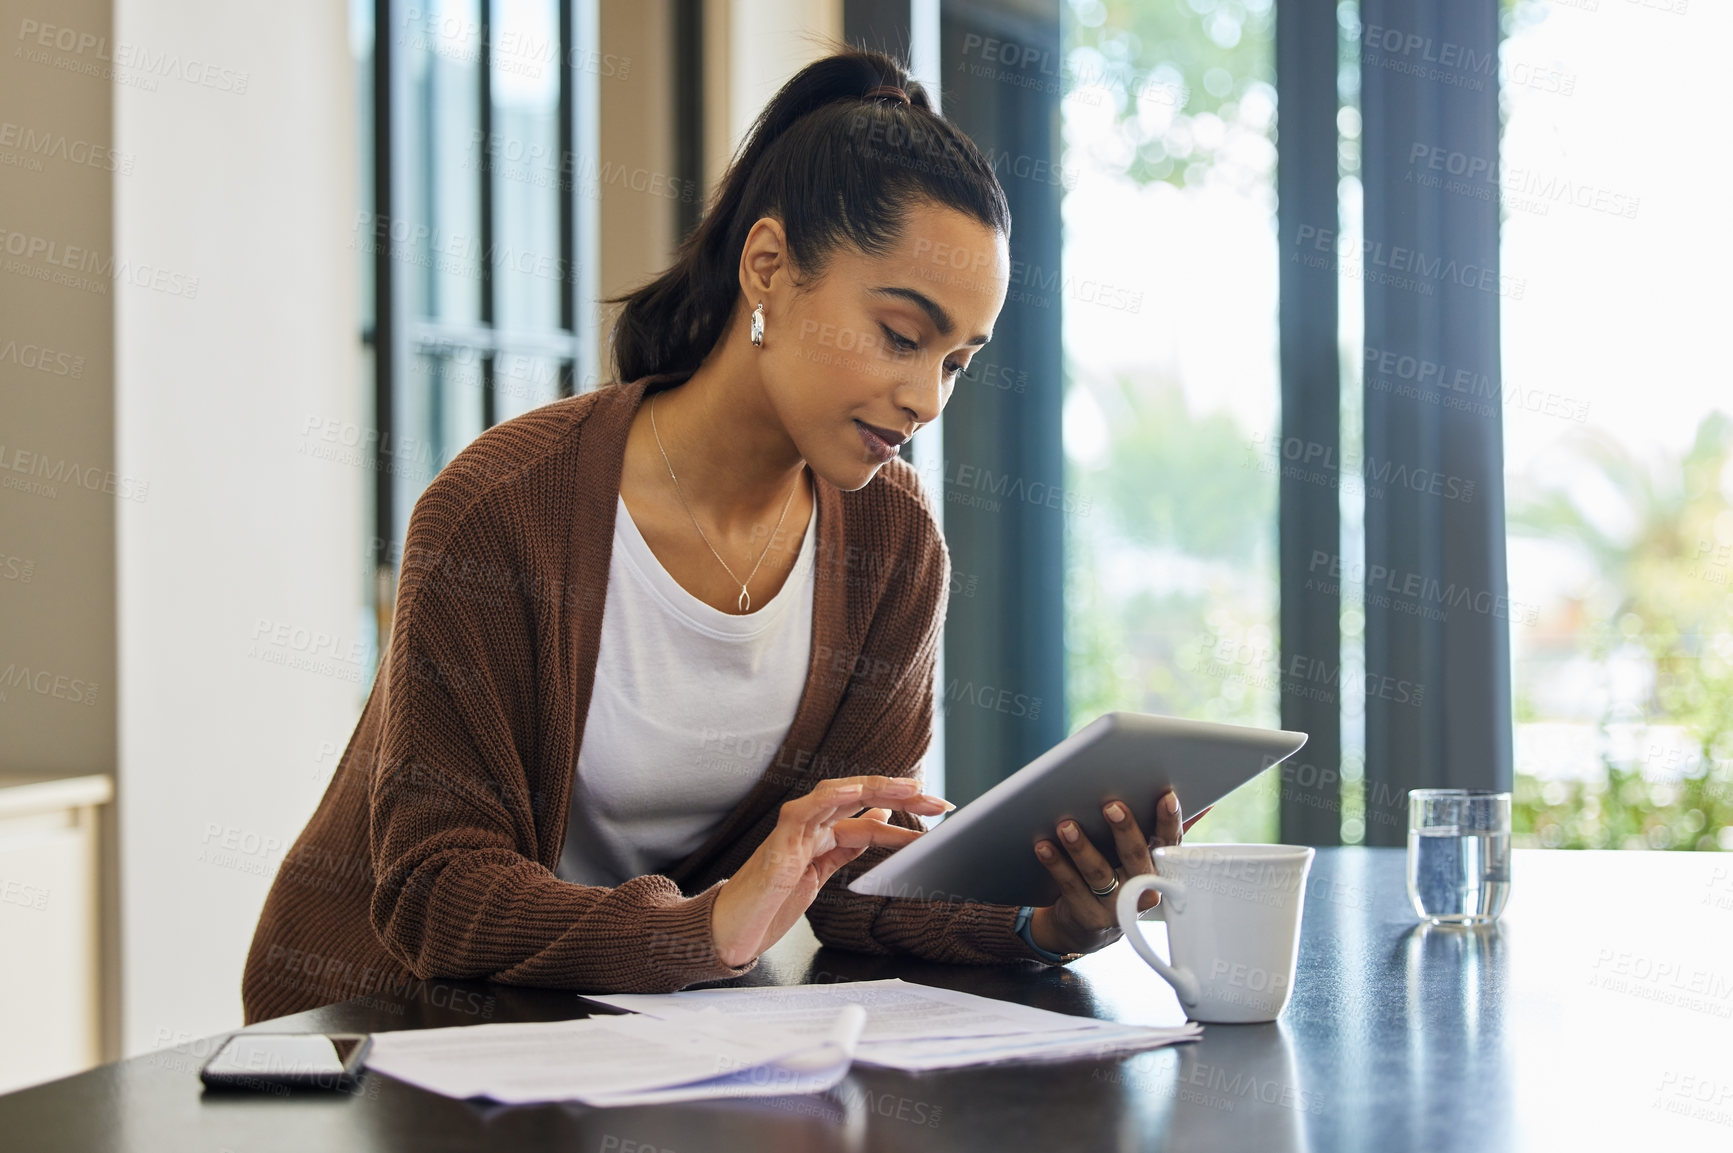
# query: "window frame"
(394, 333)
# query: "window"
(1239, 439)
(1172, 398)
(1619, 428)
(478, 192)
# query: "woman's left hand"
(1081, 922)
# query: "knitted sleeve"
(886, 724)
(459, 890)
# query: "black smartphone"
(276, 1061)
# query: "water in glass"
(1458, 876)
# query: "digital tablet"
(985, 850)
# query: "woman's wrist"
(716, 913)
(1025, 914)
(1045, 934)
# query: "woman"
(546, 793)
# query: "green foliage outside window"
(1660, 600)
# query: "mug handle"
(1184, 982)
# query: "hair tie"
(887, 90)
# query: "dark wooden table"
(1597, 1015)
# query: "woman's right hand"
(815, 835)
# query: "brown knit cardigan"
(432, 852)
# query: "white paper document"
(621, 1060)
(1098, 1043)
(896, 1009)
(746, 1042)
(912, 1026)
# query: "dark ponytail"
(832, 166)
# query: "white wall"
(251, 192)
(772, 40)
(56, 397)
(751, 48)
(57, 524)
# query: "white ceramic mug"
(1233, 926)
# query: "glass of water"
(1458, 854)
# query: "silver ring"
(1108, 891)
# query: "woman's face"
(857, 360)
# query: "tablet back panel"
(985, 850)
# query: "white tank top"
(689, 705)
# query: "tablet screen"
(985, 850)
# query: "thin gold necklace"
(744, 601)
